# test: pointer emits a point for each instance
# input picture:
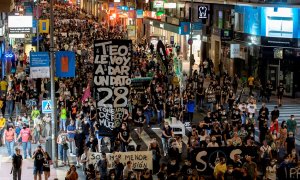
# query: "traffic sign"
(46, 106)
(190, 41)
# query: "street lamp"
(53, 113)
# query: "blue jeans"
(10, 147)
(10, 107)
(148, 115)
(62, 124)
(160, 116)
(62, 153)
(210, 106)
(26, 146)
(165, 145)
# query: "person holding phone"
(38, 156)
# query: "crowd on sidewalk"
(229, 122)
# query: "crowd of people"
(230, 119)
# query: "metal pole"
(53, 113)
(191, 37)
(37, 28)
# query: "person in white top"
(47, 121)
(37, 125)
(271, 170)
(251, 108)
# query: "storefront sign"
(247, 38)
(171, 39)
(203, 12)
(158, 4)
(139, 159)
(173, 20)
(169, 5)
(226, 35)
(151, 14)
(111, 82)
(139, 13)
(205, 159)
(282, 42)
(39, 65)
(234, 50)
(131, 14)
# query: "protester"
(9, 140)
(38, 156)
(17, 164)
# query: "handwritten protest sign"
(139, 159)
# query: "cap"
(16, 148)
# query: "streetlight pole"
(53, 113)
(191, 40)
(37, 28)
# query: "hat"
(17, 149)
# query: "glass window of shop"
(165, 36)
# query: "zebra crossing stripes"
(285, 111)
(151, 133)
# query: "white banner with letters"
(139, 159)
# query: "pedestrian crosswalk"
(285, 111)
(153, 133)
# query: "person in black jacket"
(79, 144)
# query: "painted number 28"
(120, 94)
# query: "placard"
(139, 159)
(111, 82)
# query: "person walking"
(62, 141)
(38, 157)
(102, 165)
(26, 136)
(63, 119)
(17, 160)
(9, 138)
(71, 130)
(46, 165)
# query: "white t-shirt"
(251, 108)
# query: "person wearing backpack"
(17, 164)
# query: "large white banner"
(139, 159)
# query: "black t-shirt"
(207, 120)
(17, 161)
(140, 119)
(159, 104)
(46, 165)
(186, 170)
(93, 112)
(280, 89)
(92, 145)
(38, 159)
(125, 134)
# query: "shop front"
(170, 34)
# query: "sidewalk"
(27, 167)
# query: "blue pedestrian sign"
(46, 106)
